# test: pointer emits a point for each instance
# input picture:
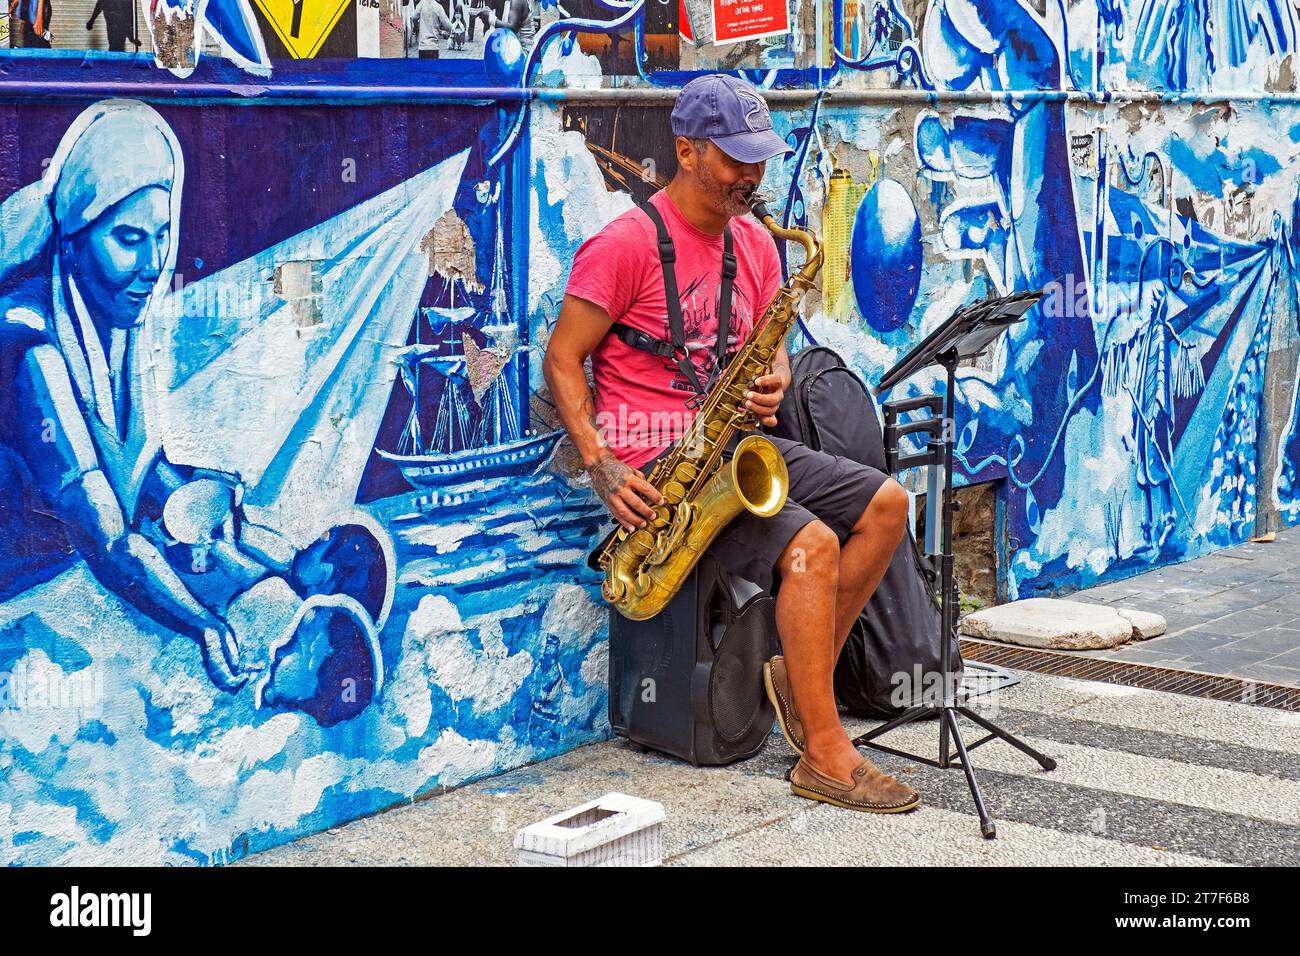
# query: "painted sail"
(293, 389)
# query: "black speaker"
(689, 681)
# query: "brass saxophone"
(645, 568)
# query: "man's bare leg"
(805, 618)
(866, 556)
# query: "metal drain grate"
(1238, 690)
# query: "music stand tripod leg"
(1047, 763)
(906, 717)
(987, 826)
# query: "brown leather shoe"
(871, 789)
(778, 692)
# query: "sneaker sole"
(776, 705)
(823, 798)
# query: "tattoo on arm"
(608, 476)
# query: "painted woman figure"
(86, 252)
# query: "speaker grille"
(736, 695)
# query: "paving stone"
(1270, 590)
(1269, 673)
(1124, 652)
(1140, 655)
(1228, 602)
(1186, 644)
(1116, 589)
(1290, 600)
(1087, 597)
(1223, 659)
(1266, 644)
(1237, 663)
(1290, 659)
(1178, 623)
(1178, 596)
(1240, 572)
(1273, 615)
(1225, 627)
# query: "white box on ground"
(613, 830)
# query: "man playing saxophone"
(833, 539)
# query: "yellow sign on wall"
(303, 25)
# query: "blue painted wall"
(289, 533)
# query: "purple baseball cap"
(729, 113)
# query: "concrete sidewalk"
(1144, 778)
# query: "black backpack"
(829, 409)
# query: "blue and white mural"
(1122, 421)
(212, 630)
(290, 534)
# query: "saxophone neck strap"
(676, 348)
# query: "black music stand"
(967, 334)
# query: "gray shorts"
(830, 488)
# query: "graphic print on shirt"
(700, 303)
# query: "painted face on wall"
(117, 258)
(727, 182)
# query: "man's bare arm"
(577, 332)
(580, 328)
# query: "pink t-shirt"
(641, 398)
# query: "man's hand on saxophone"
(765, 395)
(626, 493)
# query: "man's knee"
(815, 547)
(887, 513)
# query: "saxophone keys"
(613, 589)
(671, 536)
(641, 541)
(643, 584)
(681, 521)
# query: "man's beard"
(733, 201)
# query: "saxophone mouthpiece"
(758, 205)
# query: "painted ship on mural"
(445, 447)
